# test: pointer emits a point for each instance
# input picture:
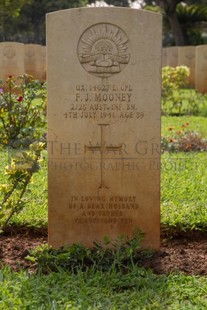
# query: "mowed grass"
(184, 178)
(138, 289)
(184, 190)
(171, 124)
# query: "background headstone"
(33, 60)
(43, 63)
(171, 56)
(104, 84)
(11, 59)
(201, 69)
(186, 57)
(164, 57)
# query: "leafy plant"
(192, 19)
(177, 98)
(173, 79)
(23, 165)
(22, 111)
(118, 255)
(183, 140)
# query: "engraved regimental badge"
(103, 50)
(9, 52)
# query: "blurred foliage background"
(184, 22)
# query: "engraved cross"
(103, 149)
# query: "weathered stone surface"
(170, 56)
(201, 69)
(11, 59)
(43, 62)
(34, 61)
(104, 84)
(186, 57)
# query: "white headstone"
(104, 85)
(201, 69)
(11, 59)
(33, 61)
(186, 57)
(171, 56)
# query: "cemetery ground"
(174, 277)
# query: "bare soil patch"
(185, 252)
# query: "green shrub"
(22, 111)
(173, 79)
(117, 256)
(177, 98)
(19, 173)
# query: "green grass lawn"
(176, 123)
(183, 205)
(184, 190)
(138, 289)
(183, 178)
